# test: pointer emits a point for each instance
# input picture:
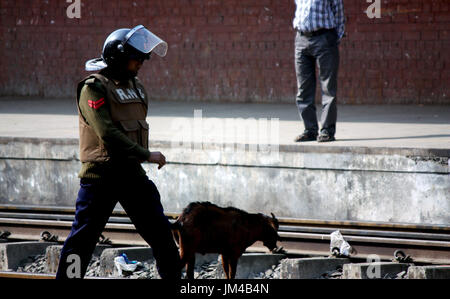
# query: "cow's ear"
(275, 220)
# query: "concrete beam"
(17, 254)
(377, 270)
(309, 268)
(429, 272)
(53, 253)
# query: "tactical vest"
(128, 106)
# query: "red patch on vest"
(96, 104)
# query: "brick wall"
(229, 50)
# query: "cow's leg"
(190, 266)
(232, 266)
(225, 265)
(234, 258)
(187, 256)
(183, 257)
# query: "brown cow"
(204, 227)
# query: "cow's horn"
(273, 216)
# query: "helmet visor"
(145, 41)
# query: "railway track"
(423, 243)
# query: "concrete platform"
(249, 147)
(376, 270)
(16, 254)
(252, 263)
(392, 126)
(309, 268)
(429, 272)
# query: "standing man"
(319, 26)
(112, 109)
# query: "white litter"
(123, 264)
(337, 241)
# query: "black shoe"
(325, 137)
(306, 136)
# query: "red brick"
(429, 35)
(400, 18)
(442, 17)
(444, 35)
(198, 20)
(230, 20)
(411, 35)
(421, 17)
(215, 20)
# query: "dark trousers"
(322, 49)
(141, 201)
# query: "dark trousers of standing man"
(141, 201)
(320, 47)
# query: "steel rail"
(29, 275)
(25, 275)
(283, 228)
(56, 210)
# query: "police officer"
(112, 108)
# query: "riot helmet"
(123, 44)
